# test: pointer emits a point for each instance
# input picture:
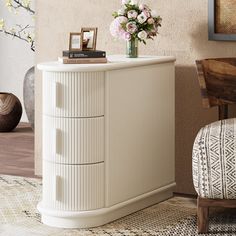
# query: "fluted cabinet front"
(73, 140)
(73, 187)
(73, 94)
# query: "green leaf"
(115, 14)
(132, 7)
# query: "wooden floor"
(17, 151)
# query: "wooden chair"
(217, 79)
(214, 172)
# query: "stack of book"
(83, 57)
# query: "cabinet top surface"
(114, 62)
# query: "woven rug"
(177, 216)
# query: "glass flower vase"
(132, 48)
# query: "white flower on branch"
(14, 5)
(13, 30)
(2, 24)
(26, 3)
(18, 31)
(8, 3)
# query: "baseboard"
(98, 217)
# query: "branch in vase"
(18, 35)
(22, 29)
(18, 4)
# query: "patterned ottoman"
(214, 168)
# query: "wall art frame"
(212, 23)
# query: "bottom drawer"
(73, 187)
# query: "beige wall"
(184, 34)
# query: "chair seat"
(214, 160)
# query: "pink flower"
(126, 36)
(116, 29)
(146, 13)
(150, 21)
(131, 27)
(143, 7)
(154, 14)
(121, 19)
(132, 14)
(135, 20)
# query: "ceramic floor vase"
(28, 94)
(10, 112)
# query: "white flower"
(132, 14)
(125, 2)
(154, 14)
(134, 2)
(30, 38)
(13, 30)
(142, 35)
(1, 24)
(26, 3)
(121, 11)
(142, 18)
(8, 3)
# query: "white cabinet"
(108, 139)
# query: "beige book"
(66, 60)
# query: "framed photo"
(75, 43)
(222, 20)
(89, 38)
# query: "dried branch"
(22, 33)
(18, 4)
(27, 39)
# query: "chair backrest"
(217, 79)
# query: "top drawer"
(73, 94)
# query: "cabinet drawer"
(73, 187)
(73, 140)
(73, 94)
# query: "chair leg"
(202, 217)
(223, 112)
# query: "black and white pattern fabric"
(214, 160)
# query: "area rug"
(177, 216)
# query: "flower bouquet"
(134, 22)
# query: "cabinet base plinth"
(98, 217)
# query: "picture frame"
(215, 31)
(89, 39)
(75, 43)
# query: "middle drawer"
(73, 140)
